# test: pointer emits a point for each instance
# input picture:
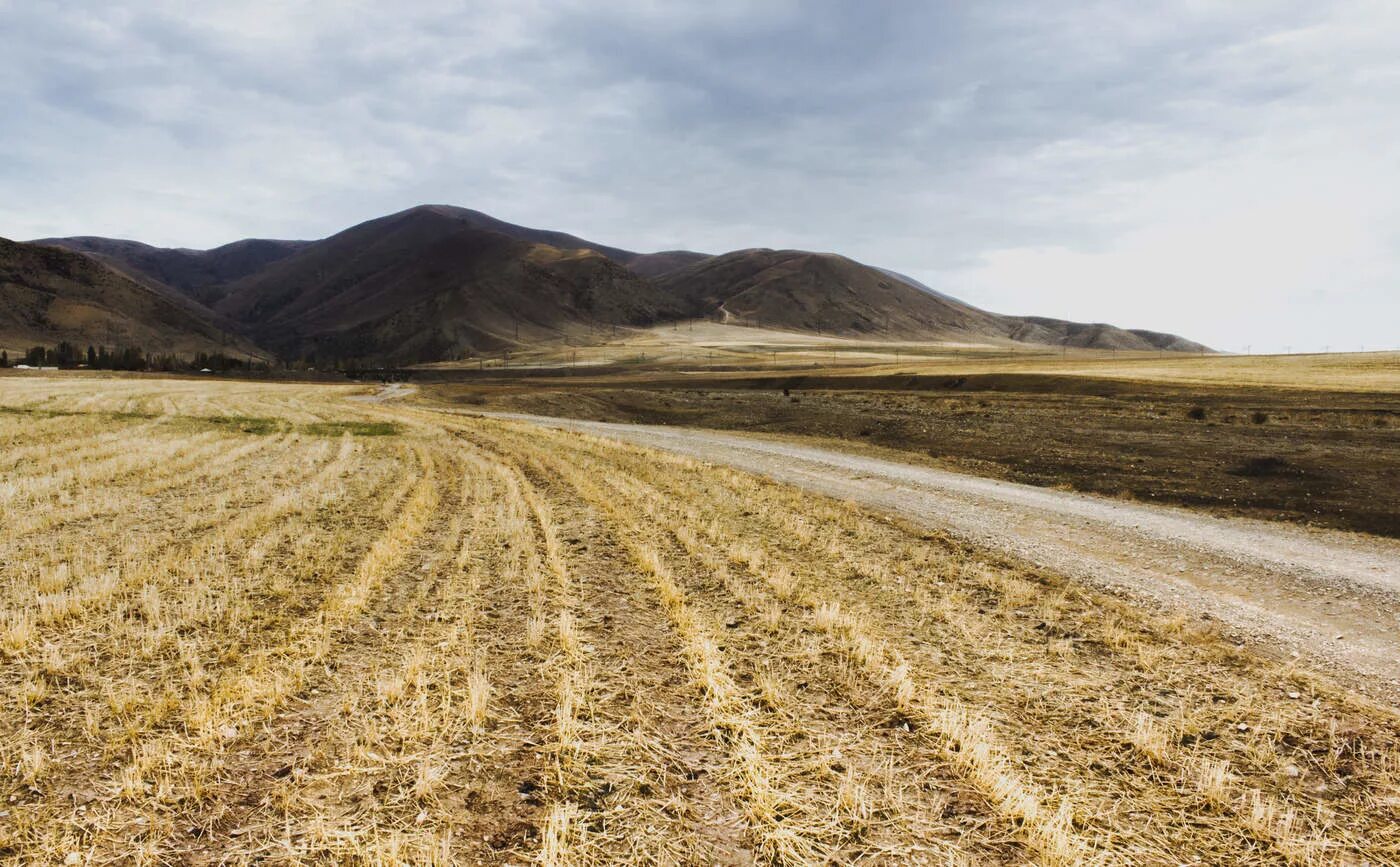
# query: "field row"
(471, 641)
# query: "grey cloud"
(927, 137)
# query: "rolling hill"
(799, 291)
(424, 285)
(203, 275)
(437, 282)
(49, 295)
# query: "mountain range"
(439, 283)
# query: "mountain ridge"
(439, 282)
(50, 295)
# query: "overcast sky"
(1226, 170)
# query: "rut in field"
(286, 641)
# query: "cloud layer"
(1226, 171)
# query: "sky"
(1228, 170)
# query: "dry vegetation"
(268, 624)
(639, 355)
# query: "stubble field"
(255, 623)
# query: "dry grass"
(479, 642)
(735, 351)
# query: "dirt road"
(1328, 596)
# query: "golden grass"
(480, 641)
(729, 351)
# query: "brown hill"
(436, 282)
(203, 275)
(1057, 332)
(49, 295)
(801, 291)
(426, 285)
(658, 264)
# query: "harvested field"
(1323, 458)
(246, 623)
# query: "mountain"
(438, 282)
(427, 284)
(200, 274)
(478, 220)
(799, 291)
(659, 264)
(49, 295)
(1057, 332)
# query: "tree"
(4, 358)
(92, 356)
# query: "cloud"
(1217, 169)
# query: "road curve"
(1330, 596)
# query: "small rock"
(1291, 771)
(1337, 637)
(228, 733)
(73, 858)
(1242, 727)
(1294, 693)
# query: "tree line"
(70, 356)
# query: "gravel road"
(1328, 596)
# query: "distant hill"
(49, 295)
(659, 264)
(1057, 332)
(819, 292)
(825, 293)
(426, 285)
(203, 275)
(437, 282)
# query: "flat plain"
(289, 624)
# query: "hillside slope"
(1097, 335)
(203, 275)
(49, 295)
(436, 282)
(422, 285)
(801, 291)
